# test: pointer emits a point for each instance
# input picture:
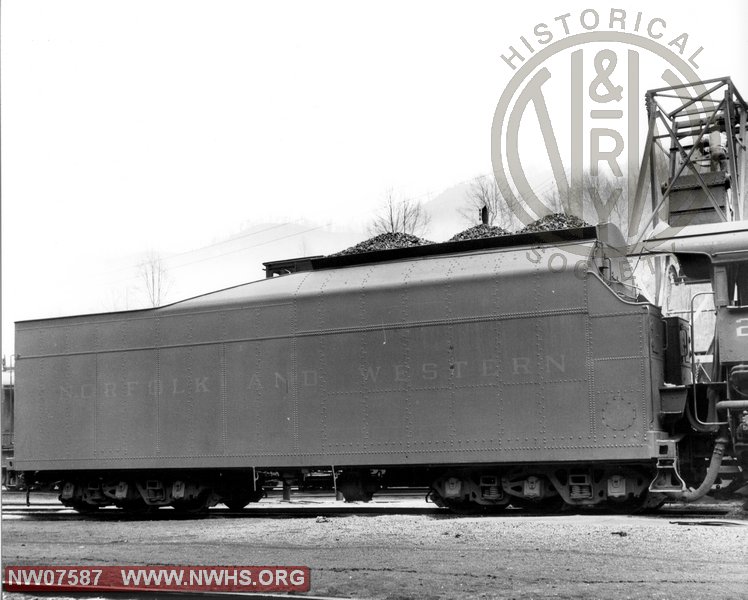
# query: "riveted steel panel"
(620, 418)
(189, 400)
(475, 424)
(132, 331)
(486, 357)
(521, 351)
(346, 423)
(311, 405)
(568, 414)
(245, 379)
(432, 414)
(65, 398)
(344, 295)
(36, 339)
(561, 290)
(563, 348)
(388, 422)
(272, 395)
(608, 341)
(385, 362)
(343, 372)
(120, 334)
(114, 389)
(471, 349)
(179, 329)
(522, 412)
(36, 394)
(79, 337)
(619, 373)
(433, 356)
(249, 323)
(127, 405)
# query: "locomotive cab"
(704, 402)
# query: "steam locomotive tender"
(518, 370)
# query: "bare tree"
(600, 196)
(117, 299)
(604, 198)
(404, 216)
(552, 199)
(155, 277)
(484, 194)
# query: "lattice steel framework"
(707, 162)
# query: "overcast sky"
(169, 125)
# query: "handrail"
(694, 370)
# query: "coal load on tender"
(553, 222)
(478, 232)
(385, 241)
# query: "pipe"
(732, 405)
(711, 475)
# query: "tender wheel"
(237, 503)
(84, 508)
(137, 508)
(464, 507)
(550, 504)
(433, 496)
(357, 487)
(195, 506)
(239, 500)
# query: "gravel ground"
(400, 556)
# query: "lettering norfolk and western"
(490, 368)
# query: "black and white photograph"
(374, 300)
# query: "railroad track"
(319, 504)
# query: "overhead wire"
(248, 247)
(219, 255)
(544, 187)
(201, 248)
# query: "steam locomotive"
(524, 369)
